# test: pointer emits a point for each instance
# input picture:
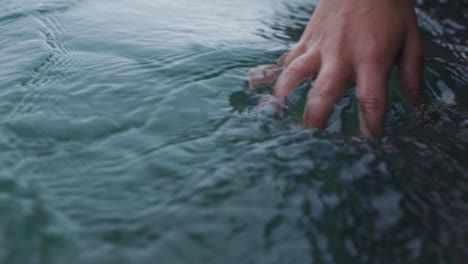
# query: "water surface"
(127, 136)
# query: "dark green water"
(127, 136)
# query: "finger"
(270, 105)
(263, 76)
(372, 94)
(297, 72)
(411, 69)
(290, 56)
(327, 89)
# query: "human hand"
(352, 41)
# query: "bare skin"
(353, 41)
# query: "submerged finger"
(372, 94)
(411, 69)
(327, 89)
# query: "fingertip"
(262, 76)
(270, 105)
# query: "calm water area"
(128, 134)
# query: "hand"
(353, 41)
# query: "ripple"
(128, 134)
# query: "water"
(127, 135)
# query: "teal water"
(128, 135)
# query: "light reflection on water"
(128, 135)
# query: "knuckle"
(312, 54)
(375, 44)
(369, 104)
(300, 48)
(293, 72)
(335, 53)
(336, 67)
(372, 54)
(373, 59)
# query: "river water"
(128, 135)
